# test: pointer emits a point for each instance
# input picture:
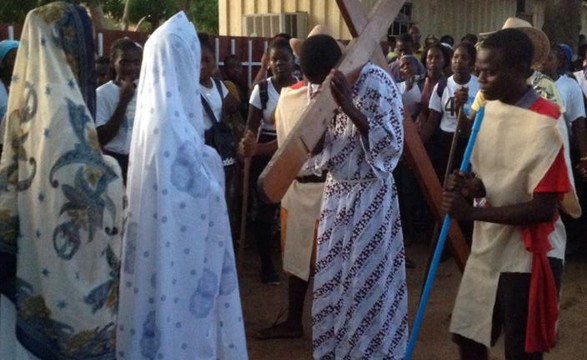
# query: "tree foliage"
(156, 11)
(204, 13)
(14, 12)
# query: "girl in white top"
(461, 87)
(260, 142)
(219, 100)
(446, 104)
(412, 72)
(208, 87)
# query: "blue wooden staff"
(441, 240)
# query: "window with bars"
(402, 21)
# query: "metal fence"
(248, 49)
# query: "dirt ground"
(263, 303)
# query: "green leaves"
(203, 13)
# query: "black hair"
(105, 61)
(444, 50)
(121, 45)
(471, 38)
(469, 48)
(447, 39)
(102, 60)
(285, 36)
(559, 52)
(515, 46)
(406, 38)
(205, 41)
(280, 44)
(229, 58)
(319, 54)
(581, 51)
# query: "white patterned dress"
(179, 296)
(360, 294)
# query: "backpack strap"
(218, 84)
(206, 106)
(263, 93)
(441, 87)
(208, 109)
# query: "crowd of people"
(121, 189)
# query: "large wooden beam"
(432, 190)
(289, 158)
(356, 19)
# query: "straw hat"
(296, 43)
(537, 37)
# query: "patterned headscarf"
(60, 198)
(72, 32)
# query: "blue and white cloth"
(179, 295)
(360, 294)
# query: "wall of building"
(439, 17)
(459, 17)
(319, 11)
(456, 17)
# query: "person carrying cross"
(360, 293)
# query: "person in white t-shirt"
(260, 142)
(570, 90)
(446, 105)
(116, 101)
(217, 100)
(574, 103)
(412, 72)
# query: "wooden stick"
(453, 147)
(431, 188)
(447, 172)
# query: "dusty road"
(262, 304)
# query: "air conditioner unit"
(267, 25)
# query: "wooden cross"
(290, 157)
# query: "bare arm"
(262, 73)
(430, 125)
(109, 130)
(541, 208)
(248, 144)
